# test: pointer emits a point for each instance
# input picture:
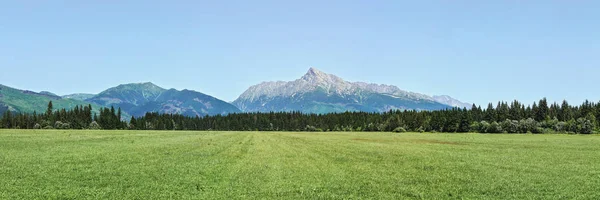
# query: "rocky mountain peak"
(315, 72)
(317, 77)
(293, 95)
(314, 75)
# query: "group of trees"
(80, 117)
(513, 117)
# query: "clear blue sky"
(476, 51)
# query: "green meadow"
(69, 164)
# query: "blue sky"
(476, 51)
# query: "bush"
(475, 127)
(66, 126)
(510, 126)
(58, 124)
(37, 126)
(484, 127)
(495, 128)
(370, 127)
(584, 126)
(45, 123)
(399, 130)
(551, 124)
(538, 130)
(61, 125)
(528, 125)
(95, 126)
(561, 127)
(310, 128)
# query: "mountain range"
(315, 92)
(139, 98)
(319, 92)
(16, 100)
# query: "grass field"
(281, 165)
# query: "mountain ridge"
(314, 82)
(313, 92)
(17, 100)
(141, 98)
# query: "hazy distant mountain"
(186, 102)
(315, 92)
(27, 101)
(445, 99)
(127, 96)
(139, 98)
(79, 96)
(50, 94)
(134, 99)
(318, 92)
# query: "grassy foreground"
(231, 165)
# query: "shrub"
(528, 125)
(537, 130)
(58, 125)
(45, 123)
(381, 127)
(475, 127)
(484, 127)
(95, 126)
(561, 127)
(584, 126)
(37, 126)
(399, 130)
(310, 128)
(510, 126)
(61, 125)
(495, 128)
(66, 126)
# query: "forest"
(505, 117)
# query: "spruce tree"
(49, 111)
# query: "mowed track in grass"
(50, 164)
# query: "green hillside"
(79, 96)
(27, 101)
(139, 98)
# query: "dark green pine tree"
(515, 112)
(49, 111)
(534, 111)
(490, 113)
(119, 124)
(465, 122)
(542, 110)
(6, 119)
(133, 123)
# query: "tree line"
(80, 117)
(504, 117)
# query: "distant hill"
(79, 96)
(318, 92)
(445, 99)
(140, 98)
(27, 101)
(127, 96)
